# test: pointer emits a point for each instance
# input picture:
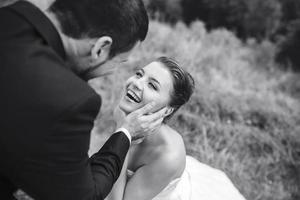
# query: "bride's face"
(151, 83)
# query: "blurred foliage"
(164, 10)
(275, 20)
(253, 18)
(290, 10)
(289, 47)
(289, 35)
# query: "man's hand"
(140, 123)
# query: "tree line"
(274, 20)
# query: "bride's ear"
(101, 50)
(169, 111)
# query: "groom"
(48, 50)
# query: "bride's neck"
(156, 137)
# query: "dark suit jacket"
(47, 113)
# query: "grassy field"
(244, 116)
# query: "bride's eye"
(152, 86)
(138, 74)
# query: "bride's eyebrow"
(150, 78)
(153, 79)
(138, 69)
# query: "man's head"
(101, 29)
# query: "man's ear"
(100, 50)
(169, 111)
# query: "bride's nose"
(138, 84)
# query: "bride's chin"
(128, 107)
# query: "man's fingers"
(145, 109)
(157, 115)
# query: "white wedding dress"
(199, 182)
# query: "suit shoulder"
(40, 77)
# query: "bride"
(156, 167)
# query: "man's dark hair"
(183, 84)
(125, 21)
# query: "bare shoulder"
(163, 152)
(173, 140)
(172, 153)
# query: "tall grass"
(244, 116)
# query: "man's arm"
(107, 163)
(118, 189)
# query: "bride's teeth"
(134, 96)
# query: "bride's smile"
(132, 96)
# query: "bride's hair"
(183, 84)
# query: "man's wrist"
(126, 132)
